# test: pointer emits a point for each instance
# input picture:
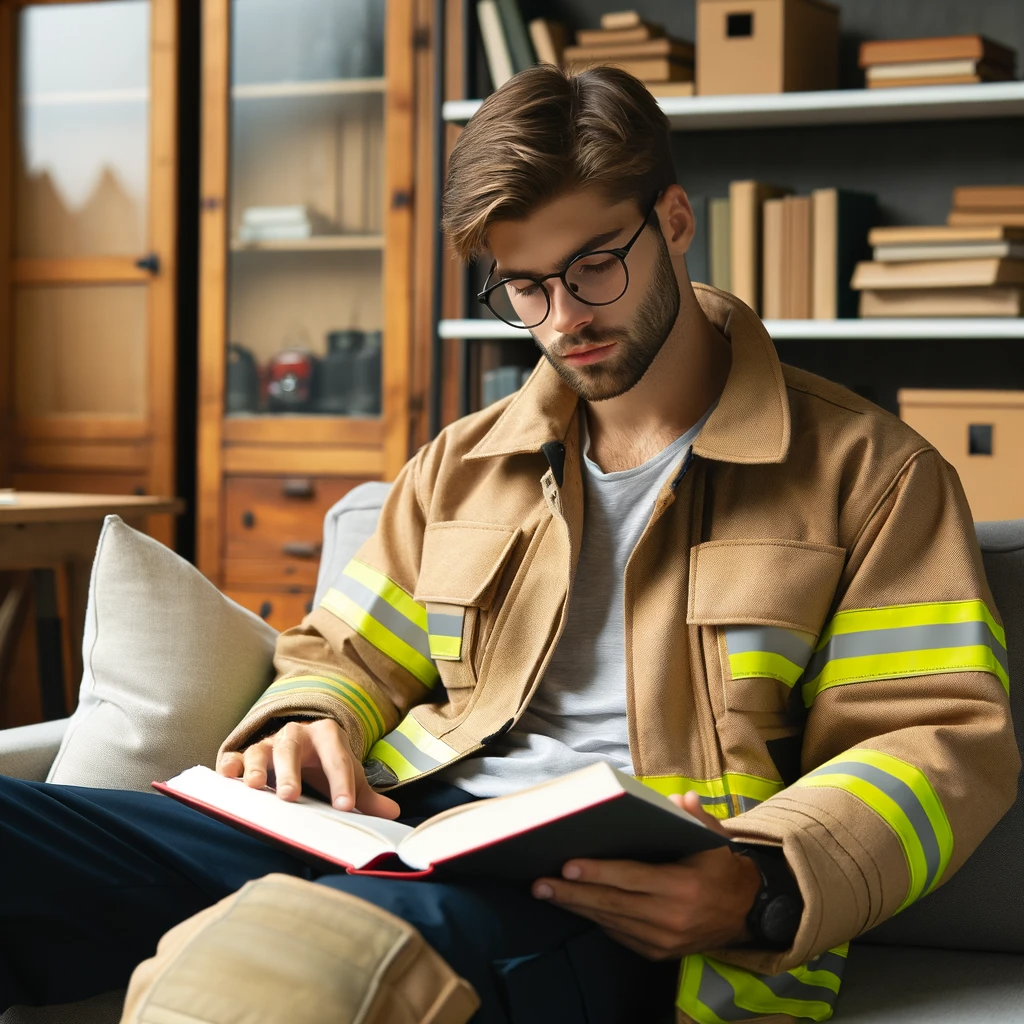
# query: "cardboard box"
(981, 435)
(766, 46)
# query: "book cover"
(798, 211)
(720, 242)
(746, 199)
(989, 197)
(924, 68)
(499, 59)
(621, 19)
(971, 47)
(942, 302)
(773, 258)
(938, 274)
(647, 69)
(697, 265)
(519, 46)
(548, 38)
(935, 233)
(594, 812)
(604, 37)
(977, 218)
(910, 83)
(842, 222)
(949, 251)
(674, 49)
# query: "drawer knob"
(298, 489)
(248, 519)
(301, 549)
(265, 609)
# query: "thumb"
(690, 802)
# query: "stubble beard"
(639, 341)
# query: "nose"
(568, 315)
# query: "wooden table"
(40, 530)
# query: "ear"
(676, 218)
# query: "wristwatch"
(775, 916)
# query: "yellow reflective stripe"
(689, 986)
(409, 750)
(822, 979)
(904, 665)
(430, 745)
(445, 646)
(383, 751)
(381, 637)
(383, 586)
(724, 797)
(764, 665)
(751, 993)
(859, 620)
(355, 698)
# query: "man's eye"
(526, 289)
(590, 269)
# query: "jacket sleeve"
(362, 656)
(909, 755)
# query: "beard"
(639, 341)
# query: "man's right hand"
(316, 753)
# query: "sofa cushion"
(170, 667)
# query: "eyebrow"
(594, 242)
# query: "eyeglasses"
(596, 278)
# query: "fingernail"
(341, 803)
(571, 871)
(543, 891)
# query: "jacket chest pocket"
(763, 604)
(460, 571)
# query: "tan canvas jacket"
(810, 642)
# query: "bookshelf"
(318, 243)
(909, 146)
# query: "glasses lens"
(598, 278)
(516, 301)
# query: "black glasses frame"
(484, 296)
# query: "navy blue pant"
(90, 879)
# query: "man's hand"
(663, 911)
(313, 752)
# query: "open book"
(594, 812)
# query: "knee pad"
(285, 951)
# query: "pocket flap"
(784, 583)
(462, 562)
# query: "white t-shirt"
(578, 714)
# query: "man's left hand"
(663, 911)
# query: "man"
(748, 587)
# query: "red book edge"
(306, 853)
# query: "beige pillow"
(170, 667)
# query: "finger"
(587, 898)
(255, 760)
(630, 875)
(288, 761)
(336, 764)
(231, 764)
(690, 802)
(369, 801)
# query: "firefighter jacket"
(811, 644)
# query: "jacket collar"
(750, 424)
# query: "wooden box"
(762, 46)
(981, 434)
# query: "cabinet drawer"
(276, 573)
(279, 517)
(280, 609)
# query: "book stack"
(501, 382)
(949, 60)
(943, 271)
(788, 257)
(625, 40)
(507, 43)
(1000, 205)
(283, 223)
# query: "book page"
(353, 838)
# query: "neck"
(687, 375)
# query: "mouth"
(589, 354)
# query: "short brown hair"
(546, 132)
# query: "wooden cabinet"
(88, 192)
(306, 279)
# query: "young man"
(743, 584)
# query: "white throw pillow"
(170, 667)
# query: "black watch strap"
(775, 916)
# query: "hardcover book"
(595, 812)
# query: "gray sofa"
(957, 956)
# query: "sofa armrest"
(27, 751)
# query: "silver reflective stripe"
(785, 986)
(828, 962)
(790, 645)
(907, 638)
(444, 625)
(412, 754)
(717, 995)
(379, 610)
(901, 794)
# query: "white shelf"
(843, 106)
(795, 330)
(305, 90)
(318, 243)
(90, 97)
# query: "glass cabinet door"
(81, 211)
(306, 208)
